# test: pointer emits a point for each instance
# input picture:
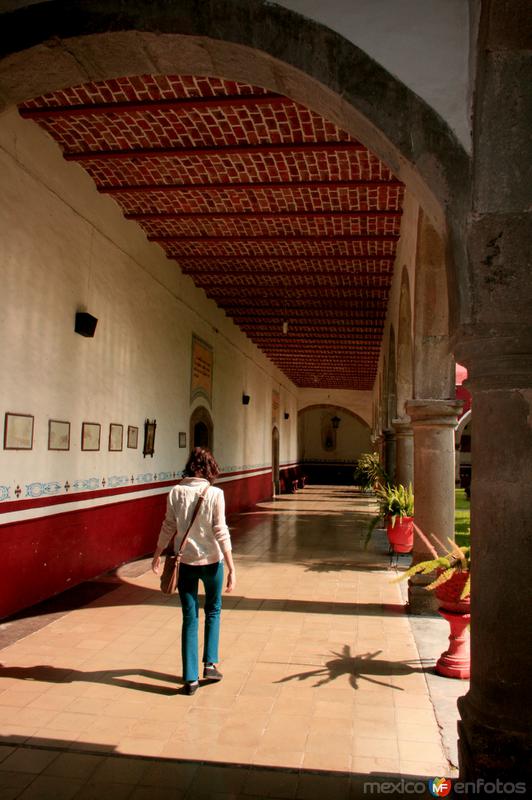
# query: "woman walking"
(206, 548)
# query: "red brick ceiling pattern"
(275, 212)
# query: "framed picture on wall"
(58, 435)
(18, 431)
(132, 437)
(116, 436)
(182, 439)
(149, 438)
(90, 436)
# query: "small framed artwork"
(132, 437)
(58, 435)
(149, 438)
(116, 436)
(18, 431)
(182, 439)
(90, 436)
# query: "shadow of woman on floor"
(361, 667)
(115, 677)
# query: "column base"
(419, 600)
(491, 753)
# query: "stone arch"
(434, 365)
(46, 47)
(465, 419)
(201, 428)
(463, 434)
(405, 365)
(331, 406)
(276, 475)
(384, 394)
(391, 398)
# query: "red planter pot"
(455, 661)
(401, 535)
(449, 593)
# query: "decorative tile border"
(89, 484)
(40, 489)
(243, 467)
(118, 480)
(36, 490)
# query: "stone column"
(494, 732)
(404, 451)
(389, 453)
(378, 447)
(496, 347)
(433, 423)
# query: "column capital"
(403, 427)
(434, 413)
(496, 358)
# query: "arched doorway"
(275, 462)
(331, 438)
(201, 428)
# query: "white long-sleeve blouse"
(209, 537)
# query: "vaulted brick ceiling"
(280, 216)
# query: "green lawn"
(461, 517)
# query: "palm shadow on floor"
(365, 667)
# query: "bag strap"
(201, 498)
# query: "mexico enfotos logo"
(442, 787)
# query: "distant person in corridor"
(207, 546)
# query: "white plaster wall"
(63, 246)
(352, 436)
(356, 401)
(424, 43)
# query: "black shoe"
(191, 687)
(210, 673)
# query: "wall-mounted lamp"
(245, 399)
(335, 422)
(85, 324)
(286, 415)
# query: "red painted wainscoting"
(241, 492)
(45, 555)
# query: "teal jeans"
(212, 576)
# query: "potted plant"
(369, 473)
(452, 588)
(452, 580)
(396, 507)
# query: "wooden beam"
(222, 150)
(222, 186)
(217, 261)
(164, 215)
(355, 273)
(268, 238)
(165, 104)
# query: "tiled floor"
(323, 685)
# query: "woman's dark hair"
(202, 460)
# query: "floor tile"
(321, 674)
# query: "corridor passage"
(323, 682)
